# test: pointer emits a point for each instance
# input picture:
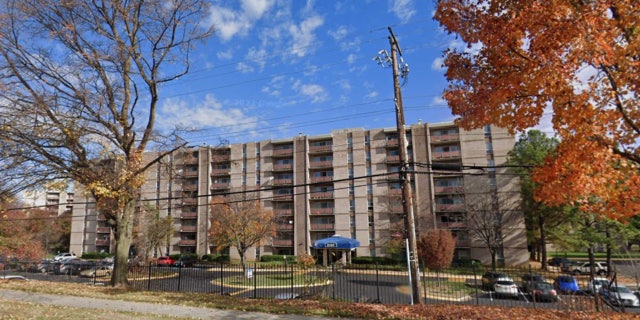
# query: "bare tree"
(153, 232)
(80, 87)
(239, 220)
(492, 218)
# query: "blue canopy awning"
(336, 242)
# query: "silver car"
(620, 295)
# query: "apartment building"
(346, 182)
(56, 202)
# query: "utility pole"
(407, 192)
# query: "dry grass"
(307, 307)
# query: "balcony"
(102, 217)
(190, 174)
(392, 143)
(449, 190)
(103, 230)
(102, 242)
(219, 186)
(220, 172)
(215, 158)
(189, 187)
(394, 192)
(283, 212)
(188, 229)
(464, 243)
(282, 243)
(445, 137)
(283, 167)
(321, 195)
(456, 207)
(446, 155)
(321, 179)
(190, 160)
(282, 197)
(392, 159)
(189, 201)
(320, 149)
(187, 243)
(282, 182)
(189, 215)
(282, 152)
(321, 211)
(284, 227)
(452, 225)
(322, 226)
(320, 164)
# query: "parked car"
(185, 262)
(165, 261)
(557, 261)
(489, 279)
(68, 266)
(595, 284)
(529, 279)
(600, 268)
(566, 284)
(567, 265)
(543, 291)
(506, 287)
(620, 295)
(99, 271)
(64, 256)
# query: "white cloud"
(208, 113)
(351, 58)
(225, 55)
(438, 64)
(339, 33)
(228, 22)
(314, 91)
(403, 9)
(371, 94)
(303, 35)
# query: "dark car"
(185, 262)
(566, 285)
(558, 261)
(529, 279)
(543, 291)
(489, 279)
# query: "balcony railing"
(190, 160)
(190, 174)
(395, 192)
(283, 212)
(102, 242)
(450, 207)
(446, 155)
(189, 215)
(220, 186)
(450, 190)
(282, 197)
(321, 211)
(103, 230)
(393, 159)
(102, 217)
(321, 179)
(284, 227)
(320, 164)
(322, 226)
(321, 195)
(220, 157)
(320, 149)
(392, 143)
(280, 182)
(189, 201)
(187, 243)
(220, 172)
(283, 167)
(452, 225)
(282, 152)
(188, 229)
(445, 137)
(189, 187)
(282, 243)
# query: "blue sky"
(275, 69)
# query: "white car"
(595, 284)
(64, 256)
(620, 295)
(600, 268)
(506, 287)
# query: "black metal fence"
(369, 284)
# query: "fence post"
(333, 276)
(291, 281)
(377, 283)
(533, 292)
(179, 277)
(221, 279)
(475, 281)
(149, 278)
(255, 280)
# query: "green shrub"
(216, 257)
(96, 255)
(372, 260)
(278, 258)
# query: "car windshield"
(543, 285)
(600, 282)
(504, 283)
(620, 289)
(565, 279)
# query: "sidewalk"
(142, 307)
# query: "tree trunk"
(123, 243)
(543, 242)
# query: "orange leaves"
(578, 59)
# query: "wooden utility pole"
(407, 192)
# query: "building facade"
(346, 183)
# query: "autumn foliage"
(436, 248)
(576, 60)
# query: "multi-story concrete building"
(346, 183)
(56, 202)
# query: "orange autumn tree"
(579, 61)
(240, 221)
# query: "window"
(352, 205)
(352, 221)
(369, 188)
(367, 140)
(350, 173)
(349, 141)
(352, 189)
(349, 157)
